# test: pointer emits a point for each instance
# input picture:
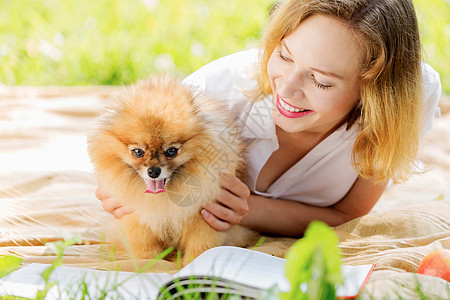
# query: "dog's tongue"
(155, 186)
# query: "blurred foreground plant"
(9, 264)
(313, 265)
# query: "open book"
(223, 270)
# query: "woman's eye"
(318, 84)
(171, 152)
(280, 54)
(138, 153)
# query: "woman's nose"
(291, 85)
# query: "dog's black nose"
(154, 172)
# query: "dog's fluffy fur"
(160, 135)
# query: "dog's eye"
(171, 152)
(138, 153)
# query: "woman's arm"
(235, 205)
(284, 217)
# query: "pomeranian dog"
(160, 149)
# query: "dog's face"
(157, 156)
(155, 132)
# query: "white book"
(225, 269)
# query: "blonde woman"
(332, 108)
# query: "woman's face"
(314, 75)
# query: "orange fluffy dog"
(160, 148)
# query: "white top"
(324, 175)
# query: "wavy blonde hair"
(389, 109)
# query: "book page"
(261, 270)
(245, 266)
(206, 284)
(26, 281)
(355, 277)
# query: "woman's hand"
(231, 204)
(112, 206)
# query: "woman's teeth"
(290, 108)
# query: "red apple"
(437, 263)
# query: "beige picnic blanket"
(47, 189)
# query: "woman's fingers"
(234, 194)
(231, 204)
(112, 206)
(223, 213)
(121, 211)
(235, 185)
(99, 194)
(214, 222)
(236, 204)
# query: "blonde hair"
(389, 109)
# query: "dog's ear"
(112, 110)
(104, 146)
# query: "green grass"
(53, 42)
(110, 42)
(314, 260)
(434, 24)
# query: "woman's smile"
(290, 111)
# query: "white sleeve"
(221, 77)
(227, 79)
(431, 93)
(198, 78)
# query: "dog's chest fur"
(166, 222)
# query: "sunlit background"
(113, 42)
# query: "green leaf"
(9, 264)
(71, 238)
(313, 265)
(58, 247)
(150, 264)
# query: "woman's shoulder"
(235, 60)
(226, 72)
(431, 94)
(429, 75)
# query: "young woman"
(332, 107)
